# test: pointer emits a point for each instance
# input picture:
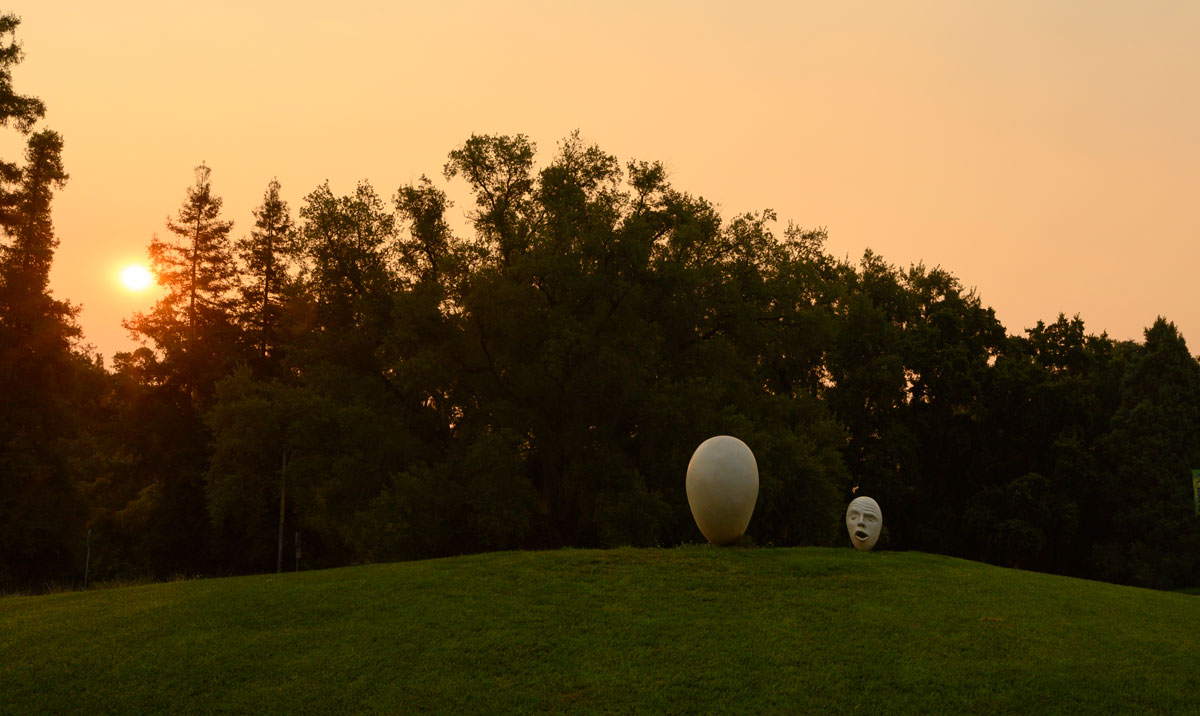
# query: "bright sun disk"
(136, 278)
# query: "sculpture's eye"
(854, 515)
(870, 518)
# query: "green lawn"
(688, 631)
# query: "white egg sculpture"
(722, 487)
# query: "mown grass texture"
(692, 630)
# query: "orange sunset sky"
(1046, 153)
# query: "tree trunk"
(282, 498)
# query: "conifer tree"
(39, 363)
(266, 255)
(193, 324)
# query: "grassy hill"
(687, 631)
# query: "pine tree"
(26, 259)
(193, 325)
(39, 364)
(266, 255)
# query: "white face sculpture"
(863, 521)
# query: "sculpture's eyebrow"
(867, 507)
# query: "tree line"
(390, 389)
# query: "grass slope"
(686, 631)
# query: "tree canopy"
(360, 374)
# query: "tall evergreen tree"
(39, 364)
(266, 255)
(20, 111)
(193, 324)
(196, 334)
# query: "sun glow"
(136, 278)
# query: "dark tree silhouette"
(193, 326)
(41, 369)
(266, 256)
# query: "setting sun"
(136, 278)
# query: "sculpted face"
(863, 521)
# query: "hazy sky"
(1046, 153)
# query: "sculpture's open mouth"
(861, 535)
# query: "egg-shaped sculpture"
(864, 520)
(722, 487)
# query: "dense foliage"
(390, 389)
